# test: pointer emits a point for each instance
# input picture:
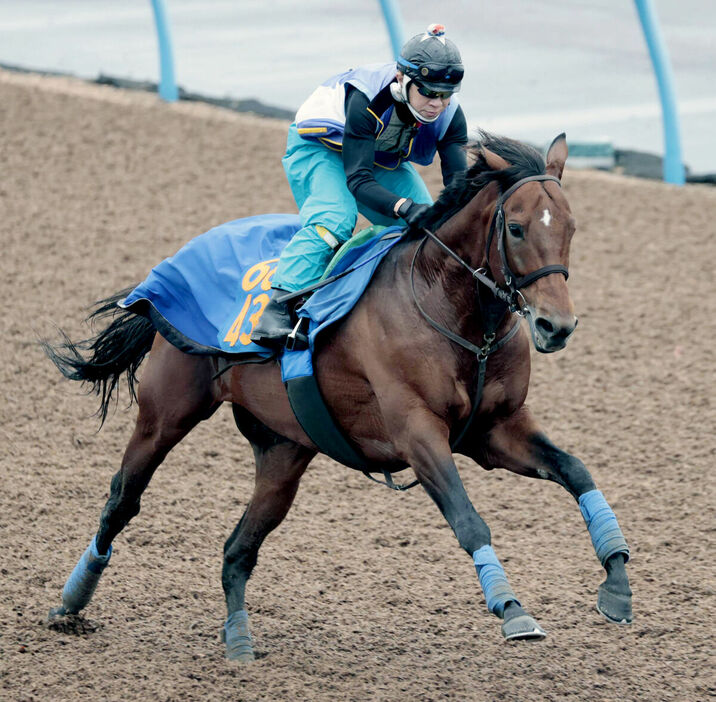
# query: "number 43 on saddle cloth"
(207, 298)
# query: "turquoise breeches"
(318, 182)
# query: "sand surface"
(362, 593)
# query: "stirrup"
(297, 340)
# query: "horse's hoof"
(613, 607)
(242, 657)
(523, 628)
(56, 612)
(239, 652)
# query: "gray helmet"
(432, 60)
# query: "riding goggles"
(432, 94)
(435, 73)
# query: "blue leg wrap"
(81, 584)
(607, 537)
(493, 580)
(238, 636)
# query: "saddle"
(298, 338)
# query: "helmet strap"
(399, 91)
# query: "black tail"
(119, 348)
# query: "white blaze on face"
(546, 218)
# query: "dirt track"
(361, 594)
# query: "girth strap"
(389, 481)
(317, 421)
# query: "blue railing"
(394, 20)
(673, 163)
(167, 83)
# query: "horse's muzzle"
(550, 334)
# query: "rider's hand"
(411, 211)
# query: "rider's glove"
(411, 211)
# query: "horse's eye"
(516, 230)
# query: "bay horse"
(432, 361)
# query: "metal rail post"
(167, 85)
(673, 163)
(394, 21)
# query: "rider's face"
(428, 107)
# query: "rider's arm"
(451, 147)
(359, 154)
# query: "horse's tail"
(119, 348)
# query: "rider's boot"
(275, 323)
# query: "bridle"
(499, 223)
(511, 293)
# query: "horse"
(432, 361)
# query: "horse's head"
(507, 221)
(527, 247)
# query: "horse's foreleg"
(428, 452)
(519, 445)
(174, 396)
(280, 463)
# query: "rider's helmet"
(432, 61)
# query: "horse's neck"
(465, 233)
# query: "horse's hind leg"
(280, 463)
(519, 445)
(173, 397)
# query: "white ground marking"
(546, 218)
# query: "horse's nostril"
(545, 326)
(554, 332)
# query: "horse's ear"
(495, 162)
(557, 155)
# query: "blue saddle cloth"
(215, 287)
(208, 296)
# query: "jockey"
(349, 150)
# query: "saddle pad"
(208, 296)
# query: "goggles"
(432, 94)
(433, 73)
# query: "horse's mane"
(525, 161)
